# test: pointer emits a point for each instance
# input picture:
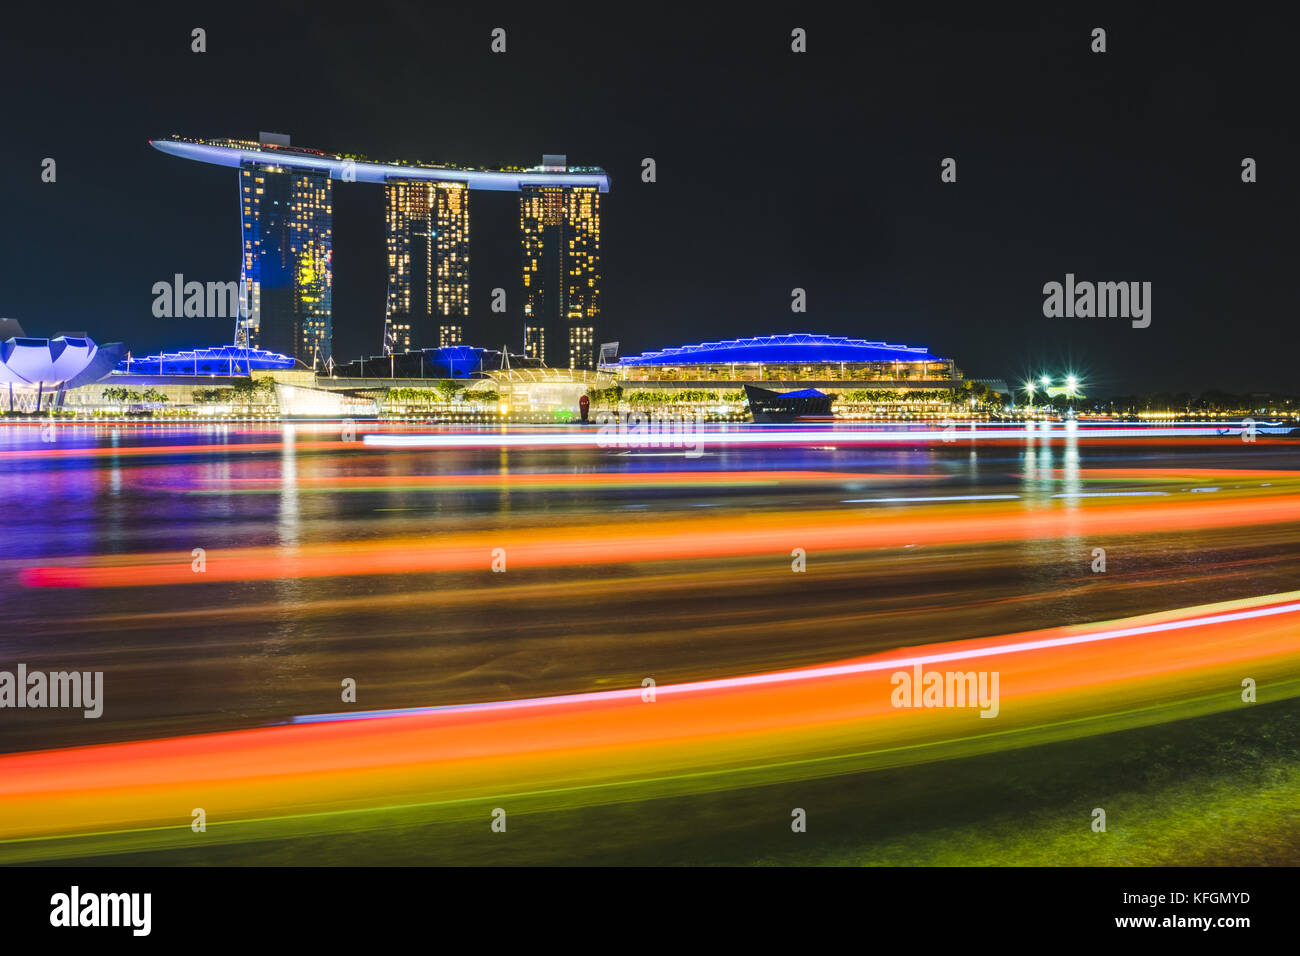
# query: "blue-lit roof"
(787, 349)
(219, 360)
(455, 353)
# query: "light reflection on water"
(213, 655)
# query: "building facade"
(36, 373)
(288, 236)
(560, 231)
(287, 225)
(428, 265)
(794, 358)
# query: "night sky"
(775, 170)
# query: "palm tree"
(449, 389)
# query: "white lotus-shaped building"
(52, 365)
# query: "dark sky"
(775, 170)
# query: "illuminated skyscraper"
(428, 264)
(286, 207)
(560, 228)
(287, 224)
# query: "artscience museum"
(35, 373)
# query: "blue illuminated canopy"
(220, 360)
(796, 348)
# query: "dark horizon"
(775, 170)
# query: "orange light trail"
(617, 479)
(698, 537)
(1053, 683)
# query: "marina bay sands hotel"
(287, 214)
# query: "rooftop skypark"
(359, 168)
